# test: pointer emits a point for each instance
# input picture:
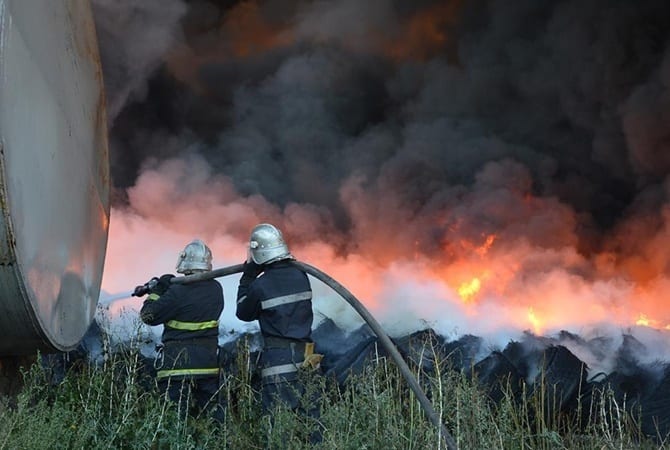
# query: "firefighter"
(187, 362)
(279, 295)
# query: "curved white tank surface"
(54, 174)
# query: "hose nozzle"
(145, 288)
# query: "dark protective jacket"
(190, 315)
(280, 299)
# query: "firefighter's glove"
(311, 360)
(250, 271)
(145, 288)
(163, 284)
(140, 291)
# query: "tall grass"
(116, 405)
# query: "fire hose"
(365, 314)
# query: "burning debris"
(532, 365)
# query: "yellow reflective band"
(192, 326)
(153, 297)
(182, 372)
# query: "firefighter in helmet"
(279, 295)
(187, 362)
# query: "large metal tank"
(54, 174)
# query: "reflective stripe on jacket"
(192, 326)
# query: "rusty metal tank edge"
(54, 174)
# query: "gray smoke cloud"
(134, 38)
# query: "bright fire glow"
(469, 289)
(484, 248)
(535, 321)
(643, 320)
(481, 284)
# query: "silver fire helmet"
(267, 245)
(195, 257)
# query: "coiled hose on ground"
(365, 314)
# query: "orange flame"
(535, 321)
(643, 320)
(484, 248)
(469, 289)
(470, 258)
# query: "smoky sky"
(420, 107)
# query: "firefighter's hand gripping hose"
(371, 321)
